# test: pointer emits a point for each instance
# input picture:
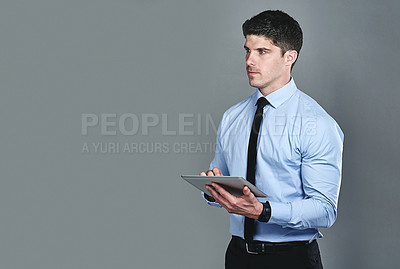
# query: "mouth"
(251, 73)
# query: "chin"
(253, 84)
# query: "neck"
(276, 85)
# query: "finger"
(203, 174)
(248, 194)
(230, 202)
(216, 196)
(210, 190)
(222, 192)
(210, 173)
(246, 190)
(217, 171)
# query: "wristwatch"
(265, 213)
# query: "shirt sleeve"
(321, 150)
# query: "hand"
(246, 205)
(214, 172)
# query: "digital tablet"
(234, 185)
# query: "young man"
(281, 140)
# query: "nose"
(250, 61)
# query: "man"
(283, 141)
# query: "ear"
(290, 57)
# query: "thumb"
(246, 190)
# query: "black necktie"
(251, 160)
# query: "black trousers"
(299, 257)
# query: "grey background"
(64, 208)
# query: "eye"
(261, 51)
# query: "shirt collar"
(279, 96)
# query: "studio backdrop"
(104, 104)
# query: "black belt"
(259, 247)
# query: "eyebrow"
(263, 48)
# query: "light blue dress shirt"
(299, 161)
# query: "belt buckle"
(250, 252)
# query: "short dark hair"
(284, 31)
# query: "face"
(266, 68)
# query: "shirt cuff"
(281, 213)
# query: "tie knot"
(262, 102)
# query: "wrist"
(259, 210)
(265, 214)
